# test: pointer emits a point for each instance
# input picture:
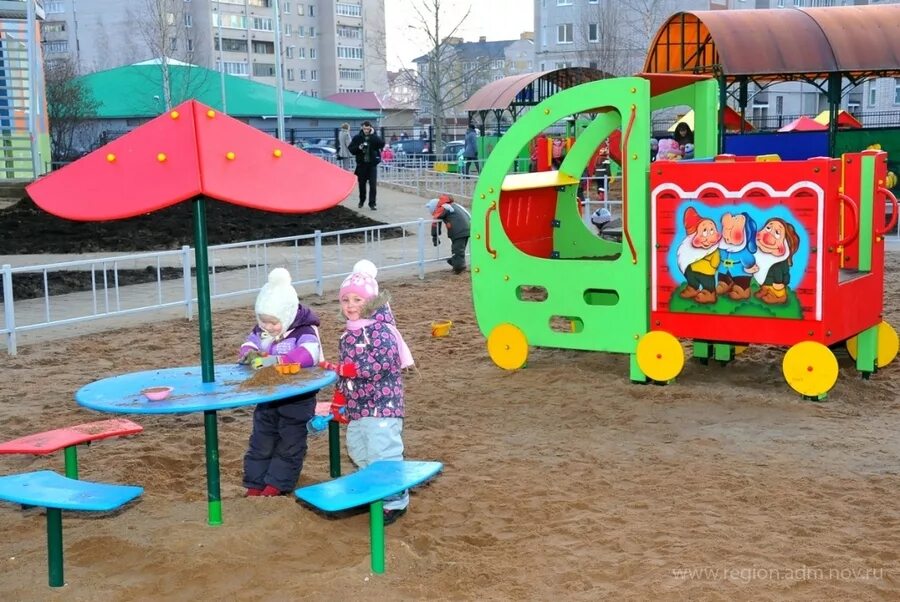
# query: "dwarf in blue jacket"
(736, 249)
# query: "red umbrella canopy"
(804, 124)
(188, 152)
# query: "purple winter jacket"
(298, 345)
(377, 390)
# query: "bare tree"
(444, 79)
(163, 26)
(69, 108)
(617, 34)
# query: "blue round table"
(122, 395)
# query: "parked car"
(452, 150)
(323, 152)
(412, 151)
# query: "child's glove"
(339, 407)
(346, 370)
(249, 357)
(262, 362)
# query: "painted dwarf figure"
(736, 251)
(777, 243)
(698, 257)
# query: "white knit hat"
(278, 298)
(362, 281)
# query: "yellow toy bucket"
(440, 328)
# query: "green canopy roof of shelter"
(136, 91)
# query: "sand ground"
(562, 481)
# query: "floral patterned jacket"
(377, 389)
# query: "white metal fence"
(235, 269)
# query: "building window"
(230, 21)
(260, 3)
(314, 75)
(263, 47)
(264, 69)
(350, 33)
(563, 2)
(287, 30)
(56, 46)
(303, 75)
(231, 45)
(286, 7)
(312, 10)
(351, 74)
(301, 9)
(53, 27)
(190, 44)
(173, 43)
(262, 24)
(348, 10)
(188, 20)
(289, 52)
(312, 31)
(873, 94)
(301, 31)
(290, 74)
(54, 7)
(564, 33)
(593, 32)
(312, 53)
(301, 52)
(347, 52)
(233, 68)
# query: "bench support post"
(376, 535)
(334, 448)
(55, 547)
(71, 456)
(213, 491)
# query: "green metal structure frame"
(601, 286)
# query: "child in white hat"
(286, 332)
(373, 355)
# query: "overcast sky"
(495, 19)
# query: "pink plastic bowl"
(156, 393)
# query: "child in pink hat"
(373, 355)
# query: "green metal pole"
(71, 455)
(55, 547)
(334, 448)
(376, 535)
(213, 492)
(203, 300)
(834, 103)
(207, 366)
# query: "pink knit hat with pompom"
(361, 281)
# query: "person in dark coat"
(458, 221)
(286, 333)
(366, 147)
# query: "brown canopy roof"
(501, 93)
(774, 43)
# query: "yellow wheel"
(660, 356)
(508, 347)
(888, 345)
(810, 368)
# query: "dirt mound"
(27, 229)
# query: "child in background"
(372, 356)
(285, 333)
(458, 221)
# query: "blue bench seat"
(370, 485)
(56, 493)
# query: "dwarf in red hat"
(698, 257)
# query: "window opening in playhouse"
(566, 324)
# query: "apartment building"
(327, 46)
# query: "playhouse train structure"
(724, 252)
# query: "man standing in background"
(366, 147)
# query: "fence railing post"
(420, 233)
(9, 311)
(188, 289)
(320, 264)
